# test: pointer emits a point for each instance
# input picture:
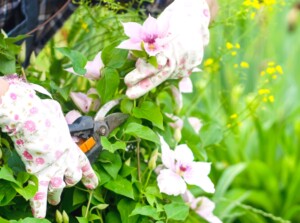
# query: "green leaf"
(2, 220)
(146, 211)
(153, 61)
(142, 132)
(211, 134)
(32, 220)
(7, 174)
(177, 211)
(112, 163)
(7, 66)
(126, 106)
(112, 217)
(78, 60)
(226, 179)
(125, 207)
(79, 197)
(120, 186)
(108, 84)
(7, 192)
(113, 57)
(139, 53)
(28, 185)
(112, 147)
(82, 220)
(149, 111)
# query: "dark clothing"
(23, 16)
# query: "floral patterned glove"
(177, 39)
(42, 139)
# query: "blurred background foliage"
(246, 96)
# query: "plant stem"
(89, 204)
(148, 178)
(138, 159)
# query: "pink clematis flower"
(152, 34)
(93, 68)
(180, 169)
(202, 206)
(85, 102)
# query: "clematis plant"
(179, 169)
(151, 36)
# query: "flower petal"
(186, 85)
(72, 115)
(205, 210)
(150, 27)
(195, 123)
(197, 174)
(93, 67)
(177, 97)
(183, 154)
(167, 155)
(170, 183)
(82, 101)
(133, 31)
(130, 45)
(95, 102)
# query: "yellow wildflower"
(244, 64)
(279, 69)
(234, 116)
(229, 45)
(264, 91)
(233, 53)
(271, 98)
(84, 25)
(208, 62)
(270, 70)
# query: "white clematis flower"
(180, 169)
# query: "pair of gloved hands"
(42, 139)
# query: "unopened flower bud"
(177, 135)
(65, 217)
(153, 158)
(58, 217)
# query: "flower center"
(151, 46)
(182, 168)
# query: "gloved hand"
(42, 139)
(188, 33)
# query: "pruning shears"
(89, 130)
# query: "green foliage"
(8, 52)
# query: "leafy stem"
(89, 203)
(138, 159)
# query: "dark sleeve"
(28, 16)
